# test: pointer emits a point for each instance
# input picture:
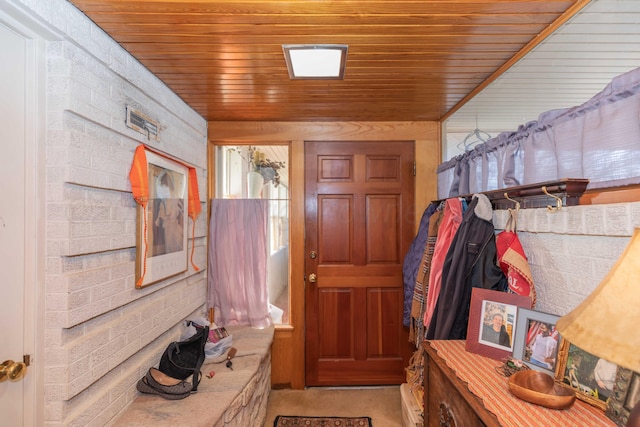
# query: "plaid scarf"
(421, 290)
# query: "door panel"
(335, 305)
(359, 222)
(334, 241)
(383, 243)
(383, 304)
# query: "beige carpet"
(382, 404)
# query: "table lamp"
(606, 323)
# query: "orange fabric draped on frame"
(513, 261)
(139, 177)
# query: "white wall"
(572, 250)
(101, 334)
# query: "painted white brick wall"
(101, 333)
(570, 251)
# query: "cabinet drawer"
(446, 407)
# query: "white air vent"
(141, 123)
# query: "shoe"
(166, 384)
(144, 387)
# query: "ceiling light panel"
(315, 61)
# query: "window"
(261, 171)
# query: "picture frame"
(537, 333)
(483, 336)
(626, 395)
(578, 369)
(165, 243)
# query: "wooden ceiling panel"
(407, 60)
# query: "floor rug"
(292, 421)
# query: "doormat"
(293, 421)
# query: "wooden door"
(359, 223)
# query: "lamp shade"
(606, 323)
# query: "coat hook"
(517, 203)
(558, 201)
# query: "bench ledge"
(219, 399)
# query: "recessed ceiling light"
(321, 61)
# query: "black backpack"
(184, 358)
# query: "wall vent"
(141, 123)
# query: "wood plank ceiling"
(407, 60)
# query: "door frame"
(287, 351)
(35, 36)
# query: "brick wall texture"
(570, 251)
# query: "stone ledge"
(232, 398)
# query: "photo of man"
(497, 324)
(604, 375)
(496, 332)
(542, 345)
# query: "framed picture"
(590, 376)
(625, 395)
(537, 340)
(165, 242)
(492, 322)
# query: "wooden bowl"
(540, 388)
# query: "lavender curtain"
(598, 140)
(237, 275)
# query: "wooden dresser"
(463, 389)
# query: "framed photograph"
(590, 376)
(537, 340)
(625, 395)
(492, 322)
(165, 242)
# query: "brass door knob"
(12, 371)
(3, 370)
(313, 278)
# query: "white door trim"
(16, 17)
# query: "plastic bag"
(211, 350)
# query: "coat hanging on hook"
(515, 202)
(512, 259)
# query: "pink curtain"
(237, 275)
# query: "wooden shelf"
(601, 196)
(569, 190)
